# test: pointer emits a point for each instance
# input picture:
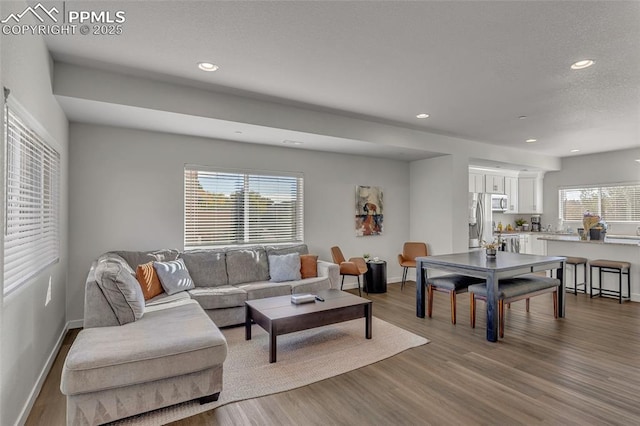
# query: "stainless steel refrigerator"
(480, 219)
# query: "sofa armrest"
(331, 270)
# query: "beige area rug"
(302, 358)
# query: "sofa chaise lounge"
(133, 357)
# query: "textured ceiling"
(475, 67)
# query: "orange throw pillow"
(308, 265)
(148, 279)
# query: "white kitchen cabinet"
(538, 247)
(476, 182)
(522, 188)
(529, 195)
(530, 244)
(494, 184)
(511, 190)
(525, 244)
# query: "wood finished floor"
(583, 369)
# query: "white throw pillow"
(284, 268)
(174, 276)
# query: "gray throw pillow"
(284, 268)
(122, 291)
(173, 276)
(280, 250)
(115, 258)
(247, 265)
(208, 268)
(135, 258)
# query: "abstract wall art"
(369, 210)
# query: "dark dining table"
(477, 264)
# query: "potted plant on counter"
(520, 223)
(589, 221)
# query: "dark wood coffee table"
(277, 315)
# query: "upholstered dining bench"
(451, 284)
(512, 290)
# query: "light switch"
(48, 299)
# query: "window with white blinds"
(31, 228)
(614, 203)
(224, 207)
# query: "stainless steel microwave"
(499, 203)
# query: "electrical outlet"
(48, 299)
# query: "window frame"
(599, 202)
(241, 217)
(43, 248)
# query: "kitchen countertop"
(513, 233)
(632, 242)
(624, 237)
(617, 250)
(625, 240)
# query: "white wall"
(31, 331)
(438, 204)
(595, 169)
(126, 191)
(459, 210)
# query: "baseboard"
(22, 419)
(354, 285)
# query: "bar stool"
(613, 267)
(574, 262)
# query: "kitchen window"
(32, 179)
(230, 207)
(614, 203)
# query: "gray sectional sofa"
(224, 279)
(135, 356)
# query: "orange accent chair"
(356, 266)
(407, 259)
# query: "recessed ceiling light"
(288, 142)
(638, 160)
(208, 66)
(531, 140)
(580, 65)
(575, 150)
(423, 115)
(522, 117)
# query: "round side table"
(375, 280)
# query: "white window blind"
(228, 207)
(614, 203)
(31, 228)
